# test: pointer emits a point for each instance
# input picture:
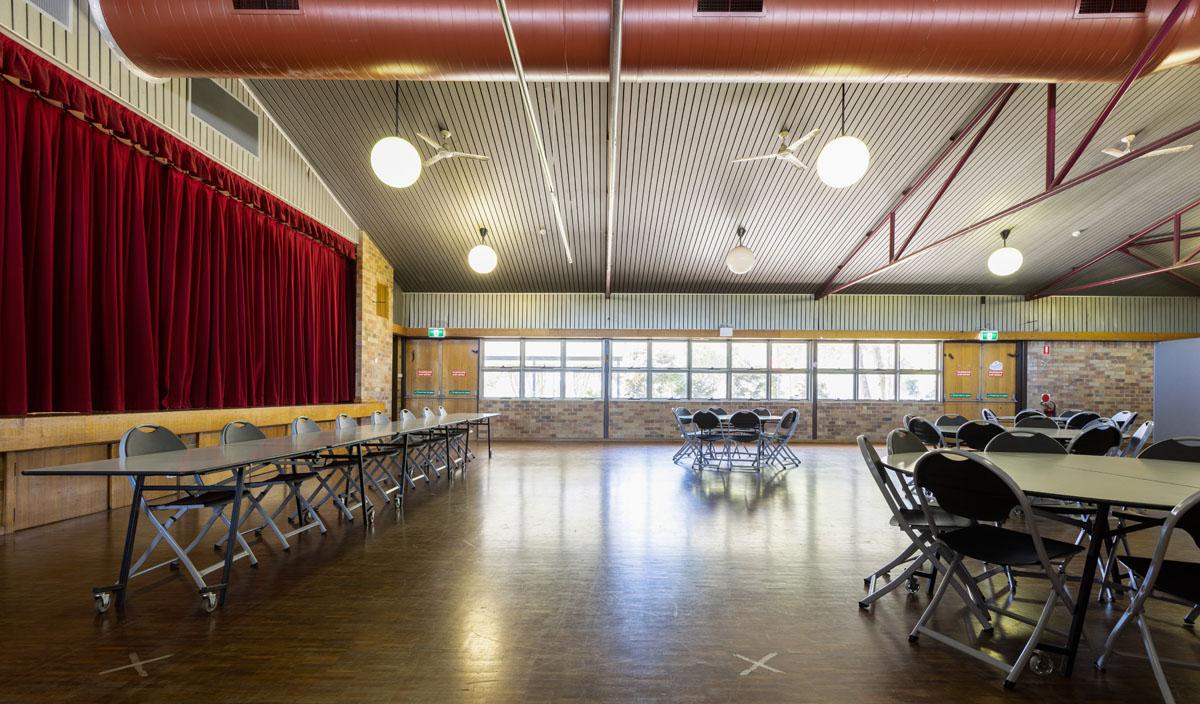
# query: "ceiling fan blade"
(429, 141)
(464, 155)
(1167, 150)
(754, 158)
(796, 144)
(1114, 152)
(794, 161)
(436, 158)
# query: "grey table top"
(1117, 481)
(1060, 434)
(203, 460)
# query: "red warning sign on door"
(458, 373)
(424, 372)
(962, 372)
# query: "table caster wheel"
(912, 586)
(208, 602)
(399, 510)
(1041, 664)
(104, 601)
(370, 517)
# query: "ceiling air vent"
(266, 5)
(1112, 7)
(727, 7)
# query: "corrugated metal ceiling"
(680, 200)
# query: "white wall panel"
(788, 312)
(280, 168)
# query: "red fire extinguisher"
(1048, 406)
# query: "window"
(628, 385)
(669, 354)
(710, 355)
(669, 384)
(709, 385)
(789, 355)
(627, 354)
(749, 355)
(878, 371)
(630, 360)
(549, 369)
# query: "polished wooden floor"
(566, 572)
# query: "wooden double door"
(978, 375)
(441, 373)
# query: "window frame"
(895, 372)
(523, 368)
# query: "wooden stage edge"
(1005, 336)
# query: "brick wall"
(373, 361)
(1105, 377)
(524, 419)
(843, 421)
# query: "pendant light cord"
(397, 107)
(843, 109)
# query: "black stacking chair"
(1076, 421)
(926, 431)
(707, 435)
(719, 411)
(1175, 449)
(1124, 420)
(167, 513)
(970, 487)
(990, 416)
(901, 441)
(1028, 413)
(290, 481)
(745, 428)
(977, 433)
(1158, 575)
(1098, 441)
(1037, 422)
(1070, 412)
(775, 444)
(1099, 422)
(683, 423)
(1025, 441)
(951, 419)
(1138, 441)
(910, 519)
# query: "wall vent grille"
(729, 6)
(266, 5)
(1112, 7)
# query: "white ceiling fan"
(786, 151)
(1127, 140)
(442, 153)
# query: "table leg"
(231, 542)
(489, 427)
(368, 509)
(135, 511)
(449, 462)
(1099, 534)
(466, 446)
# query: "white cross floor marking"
(137, 664)
(755, 664)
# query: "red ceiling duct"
(900, 40)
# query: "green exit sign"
(437, 332)
(989, 335)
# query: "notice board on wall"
(1176, 389)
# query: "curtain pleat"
(128, 285)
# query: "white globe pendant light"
(394, 159)
(843, 161)
(482, 258)
(740, 259)
(1006, 260)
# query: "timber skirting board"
(67, 430)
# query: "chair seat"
(213, 497)
(916, 517)
(744, 437)
(283, 478)
(1179, 579)
(711, 437)
(1001, 546)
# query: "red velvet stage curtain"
(126, 284)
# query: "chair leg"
(1191, 617)
(1155, 663)
(1010, 679)
(1130, 614)
(937, 599)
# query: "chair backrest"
(1038, 421)
(1070, 412)
(681, 420)
(405, 415)
(344, 422)
(682, 411)
(1124, 420)
(1078, 420)
(442, 411)
(990, 415)
(968, 486)
(1099, 440)
(1139, 439)
(896, 493)
(745, 420)
(1186, 517)
(1025, 441)
(706, 420)
(907, 417)
(787, 426)
(901, 441)
(951, 419)
(1177, 449)
(380, 418)
(240, 431)
(926, 431)
(977, 434)
(304, 424)
(1029, 413)
(148, 439)
(761, 411)
(719, 411)
(1099, 422)
(427, 413)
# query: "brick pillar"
(373, 334)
